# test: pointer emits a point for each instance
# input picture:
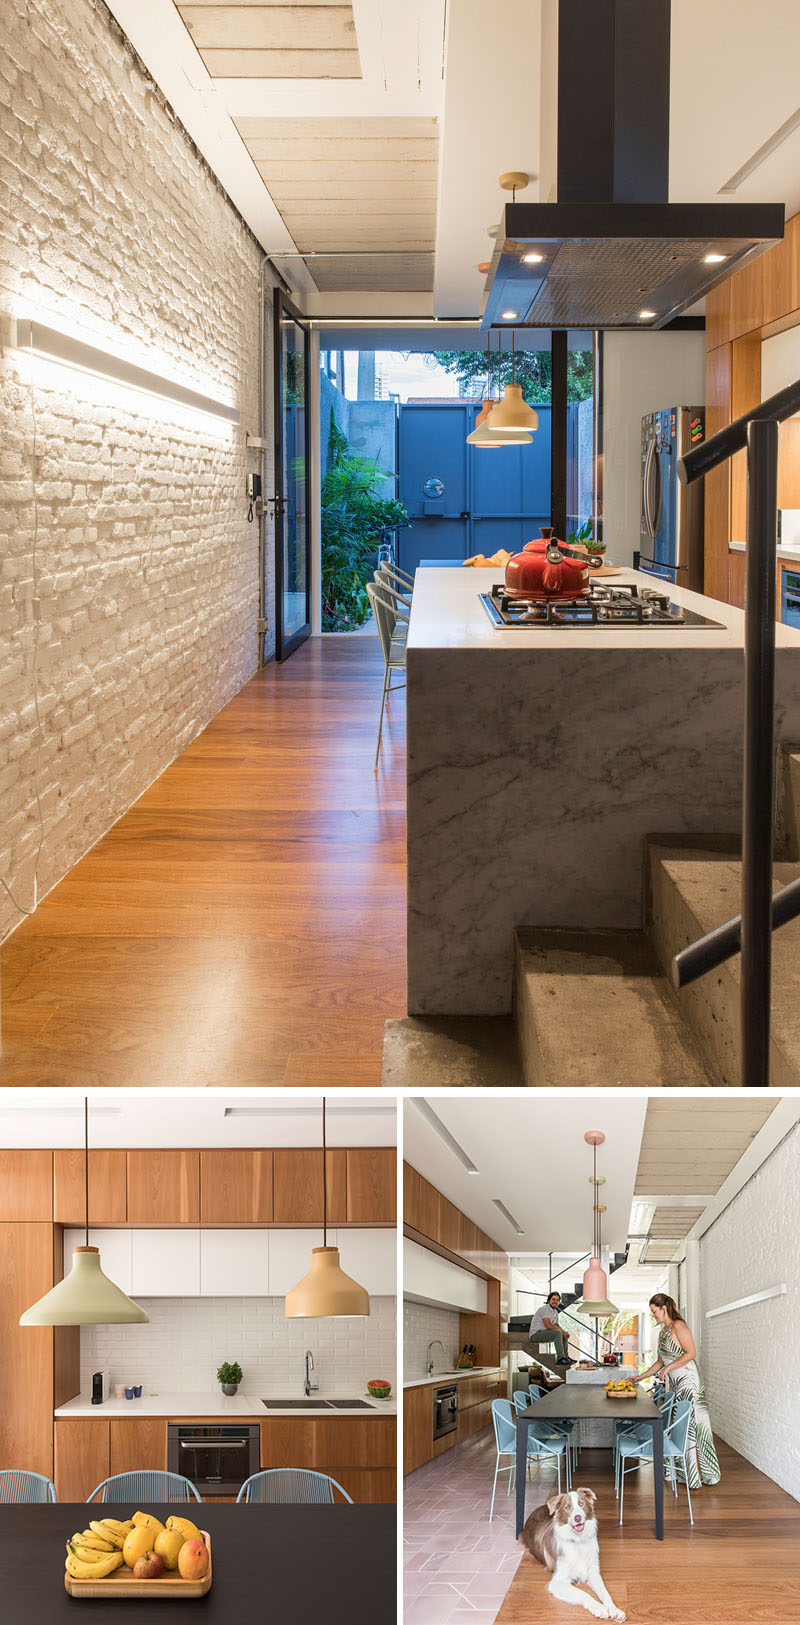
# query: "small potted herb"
(583, 537)
(229, 1376)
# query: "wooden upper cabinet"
(411, 1196)
(449, 1228)
(718, 315)
(163, 1187)
(372, 1185)
(297, 1187)
(107, 1187)
(26, 1185)
(747, 298)
(429, 1210)
(235, 1187)
(467, 1239)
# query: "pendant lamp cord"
(86, 1163)
(324, 1180)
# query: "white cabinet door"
(166, 1263)
(290, 1257)
(115, 1253)
(234, 1264)
(370, 1256)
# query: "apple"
(168, 1545)
(148, 1567)
(193, 1560)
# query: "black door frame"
(283, 307)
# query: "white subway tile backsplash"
(188, 1338)
(422, 1323)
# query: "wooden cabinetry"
(136, 1445)
(417, 1427)
(108, 1198)
(297, 1186)
(475, 1395)
(360, 1454)
(372, 1185)
(26, 1185)
(81, 1457)
(26, 1352)
(163, 1187)
(449, 1225)
(235, 1187)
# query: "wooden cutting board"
(121, 1585)
(605, 570)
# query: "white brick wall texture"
(751, 1357)
(114, 231)
(188, 1339)
(421, 1323)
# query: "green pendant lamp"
(85, 1297)
(325, 1292)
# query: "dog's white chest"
(578, 1555)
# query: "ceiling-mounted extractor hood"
(612, 251)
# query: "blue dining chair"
(556, 1427)
(666, 1404)
(540, 1447)
(295, 1486)
(149, 1485)
(675, 1440)
(17, 1486)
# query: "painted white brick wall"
(751, 1357)
(421, 1323)
(188, 1339)
(147, 568)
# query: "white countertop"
(784, 555)
(214, 1404)
(447, 614)
(451, 1376)
(611, 1373)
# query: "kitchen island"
(538, 763)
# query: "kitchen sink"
(316, 1405)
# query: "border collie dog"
(562, 1535)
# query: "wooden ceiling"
(357, 195)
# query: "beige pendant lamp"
(595, 1300)
(85, 1297)
(325, 1292)
(512, 414)
(483, 435)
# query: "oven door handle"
(212, 1444)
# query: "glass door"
(292, 534)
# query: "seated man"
(545, 1329)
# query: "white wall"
(421, 1324)
(188, 1339)
(642, 372)
(751, 1357)
(115, 231)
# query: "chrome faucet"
(429, 1364)
(310, 1385)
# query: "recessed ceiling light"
(501, 1207)
(509, 315)
(714, 259)
(532, 259)
(645, 315)
(444, 1134)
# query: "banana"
(91, 1538)
(114, 1523)
(185, 1527)
(88, 1554)
(107, 1535)
(79, 1569)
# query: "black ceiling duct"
(612, 251)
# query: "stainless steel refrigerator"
(671, 514)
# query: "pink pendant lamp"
(595, 1282)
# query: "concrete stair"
(598, 1007)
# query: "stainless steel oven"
(445, 1410)
(216, 1457)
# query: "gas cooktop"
(603, 606)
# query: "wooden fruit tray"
(617, 1393)
(121, 1585)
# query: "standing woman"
(677, 1359)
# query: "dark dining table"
(587, 1402)
(290, 1564)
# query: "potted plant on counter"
(229, 1376)
(584, 537)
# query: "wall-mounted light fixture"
(35, 338)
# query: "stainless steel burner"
(604, 605)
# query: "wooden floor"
(244, 923)
(739, 1565)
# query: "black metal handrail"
(750, 933)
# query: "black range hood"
(612, 251)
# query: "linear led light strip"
(501, 1208)
(763, 152)
(743, 1303)
(39, 339)
(444, 1134)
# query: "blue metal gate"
(462, 499)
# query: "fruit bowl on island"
(139, 1557)
(624, 1389)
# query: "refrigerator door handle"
(648, 463)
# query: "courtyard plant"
(354, 514)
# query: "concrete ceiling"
(368, 137)
(530, 1153)
(141, 1118)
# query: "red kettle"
(548, 568)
